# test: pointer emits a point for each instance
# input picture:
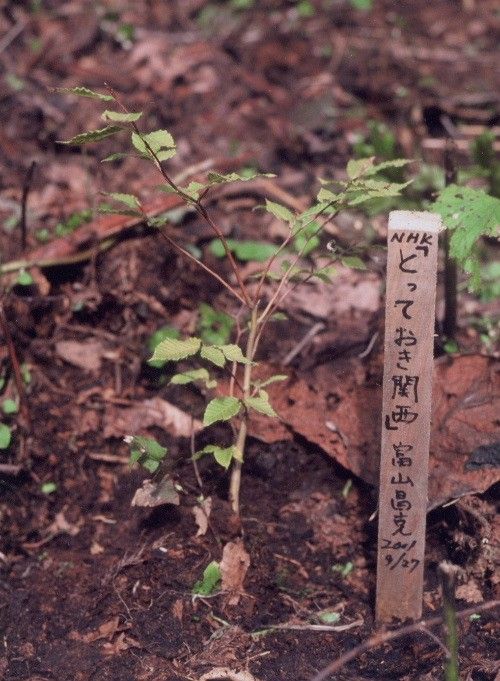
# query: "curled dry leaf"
(233, 566)
(201, 515)
(155, 412)
(153, 494)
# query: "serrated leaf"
(385, 165)
(147, 446)
(261, 404)
(128, 199)
(81, 91)
(233, 353)
(115, 157)
(92, 135)
(5, 436)
(172, 350)
(279, 211)
(213, 354)
(210, 581)
(223, 455)
(160, 142)
(353, 261)
(325, 274)
(358, 167)
(326, 196)
(191, 376)
(220, 178)
(272, 379)
(119, 117)
(469, 214)
(221, 409)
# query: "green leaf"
(305, 244)
(156, 338)
(233, 353)
(213, 354)
(221, 409)
(128, 199)
(353, 261)
(160, 142)
(24, 278)
(469, 214)
(48, 487)
(358, 167)
(272, 379)
(81, 91)
(214, 326)
(5, 436)
(329, 617)
(210, 581)
(388, 165)
(256, 251)
(146, 451)
(115, 157)
(326, 196)
(92, 135)
(172, 350)
(219, 178)
(261, 404)
(364, 5)
(10, 407)
(118, 117)
(279, 211)
(222, 455)
(192, 376)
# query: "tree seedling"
(284, 266)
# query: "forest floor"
(92, 588)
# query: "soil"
(93, 588)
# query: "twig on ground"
(385, 636)
(313, 331)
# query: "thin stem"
(286, 242)
(214, 274)
(198, 206)
(23, 401)
(235, 482)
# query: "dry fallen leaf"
(106, 630)
(470, 592)
(86, 355)
(201, 514)
(233, 567)
(153, 494)
(118, 421)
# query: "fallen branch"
(385, 636)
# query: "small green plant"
(207, 358)
(5, 436)
(210, 581)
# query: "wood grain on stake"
(406, 412)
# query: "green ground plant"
(284, 266)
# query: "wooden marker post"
(406, 412)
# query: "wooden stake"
(406, 412)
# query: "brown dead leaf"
(352, 290)
(339, 409)
(233, 566)
(86, 355)
(106, 630)
(178, 609)
(119, 421)
(470, 592)
(153, 494)
(201, 514)
(121, 643)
